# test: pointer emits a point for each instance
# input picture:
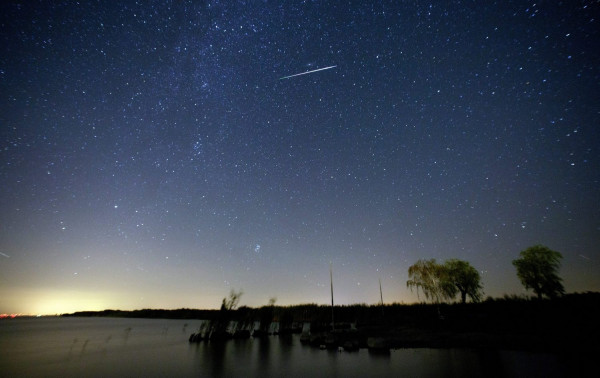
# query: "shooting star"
(5, 255)
(307, 72)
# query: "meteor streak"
(307, 72)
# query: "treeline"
(537, 269)
(568, 322)
(182, 313)
(500, 313)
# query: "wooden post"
(331, 281)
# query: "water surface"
(117, 347)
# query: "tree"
(464, 278)
(231, 303)
(218, 326)
(537, 268)
(430, 278)
(266, 317)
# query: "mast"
(331, 281)
(381, 295)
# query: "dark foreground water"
(105, 347)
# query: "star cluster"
(151, 156)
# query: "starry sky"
(151, 156)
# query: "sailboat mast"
(331, 282)
(381, 295)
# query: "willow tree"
(537, 268)
(430, 278)
(464, 278)
(219, 325)
(231, 303)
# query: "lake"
(121, 347)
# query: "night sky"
(151, 156)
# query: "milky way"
(150, 155)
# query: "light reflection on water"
(100, 347)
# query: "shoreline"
(562, 324)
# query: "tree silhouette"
(537, 268)
(218, 326)
(231, 303)
(266, 317)
(430, 277)
(464, 278)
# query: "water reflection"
(286, 356)
(286, 344)
(380, 353)
(211, 358)
(154, 348)
(264, 353)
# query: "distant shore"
(564, 324)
